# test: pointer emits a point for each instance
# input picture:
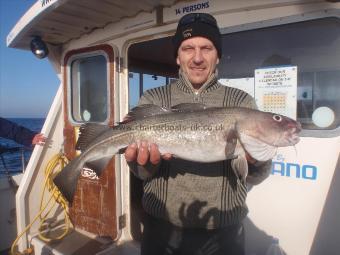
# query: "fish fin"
(231, 143)
(240, 167)
(257, 149)
(66, 181)
(142, 111)
(98, 165)
(188, 107)
(147, 110)
(88, 132)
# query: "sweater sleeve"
(149, 97)
(258, 172)
(15, 132)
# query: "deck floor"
(77, 243)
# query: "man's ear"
(177, 60)
(217, 61)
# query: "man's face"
(197, 57)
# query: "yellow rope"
(54, 166)
(50, 173)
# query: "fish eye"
(277, 117)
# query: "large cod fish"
(192, 132)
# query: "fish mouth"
(294, 139)
(293, 134)
(289, 138)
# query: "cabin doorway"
(148, 67)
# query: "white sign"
(276, 90)
(178, 10)
(245, 84)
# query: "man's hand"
(39, 139)
(145, 153)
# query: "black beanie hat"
(198, 24)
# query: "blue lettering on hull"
(307, 172)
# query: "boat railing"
(5, 170)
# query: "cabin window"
(140, 82)
(89, 89)
(150, 68)
(313, 46)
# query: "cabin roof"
(59, 21)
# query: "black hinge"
(122, 221)
(119, 62)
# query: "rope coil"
(54, 166)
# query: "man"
(193, 208)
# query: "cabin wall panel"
(90, 199)
(94, 204)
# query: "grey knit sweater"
(197, 195)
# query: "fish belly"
(193, 146)
(207, 153)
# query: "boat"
(106, 53)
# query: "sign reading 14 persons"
(276, 90)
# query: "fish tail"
(66, 180)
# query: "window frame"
(69, 125)
(109, 74)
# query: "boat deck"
(77, 243)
